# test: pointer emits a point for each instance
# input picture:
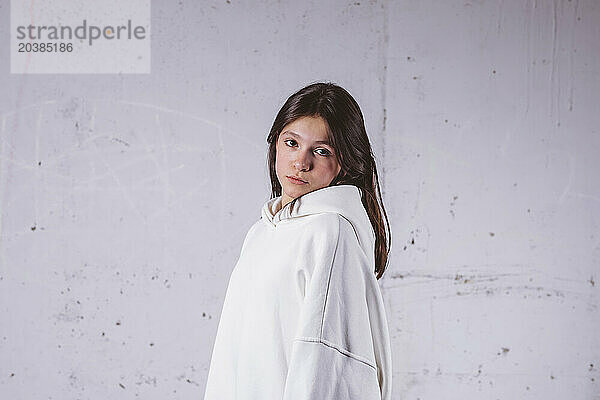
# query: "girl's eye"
(320, 151)
(324, 153)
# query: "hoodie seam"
(329, 280)
(360, 244)
(340, 350)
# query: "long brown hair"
(348, 136)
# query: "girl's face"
(304, 159)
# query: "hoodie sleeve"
(341, 350)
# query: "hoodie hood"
(344, 200)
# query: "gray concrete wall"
(124, 199)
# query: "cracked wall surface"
(124, 199)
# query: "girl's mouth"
(296, 181)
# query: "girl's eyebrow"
(298, 136)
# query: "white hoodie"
(303, 317)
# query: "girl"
(303, 317)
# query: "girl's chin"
(294, 191)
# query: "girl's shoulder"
(331, 226)
(252, 232)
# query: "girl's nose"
(301, 163)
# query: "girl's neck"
(284, 200)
